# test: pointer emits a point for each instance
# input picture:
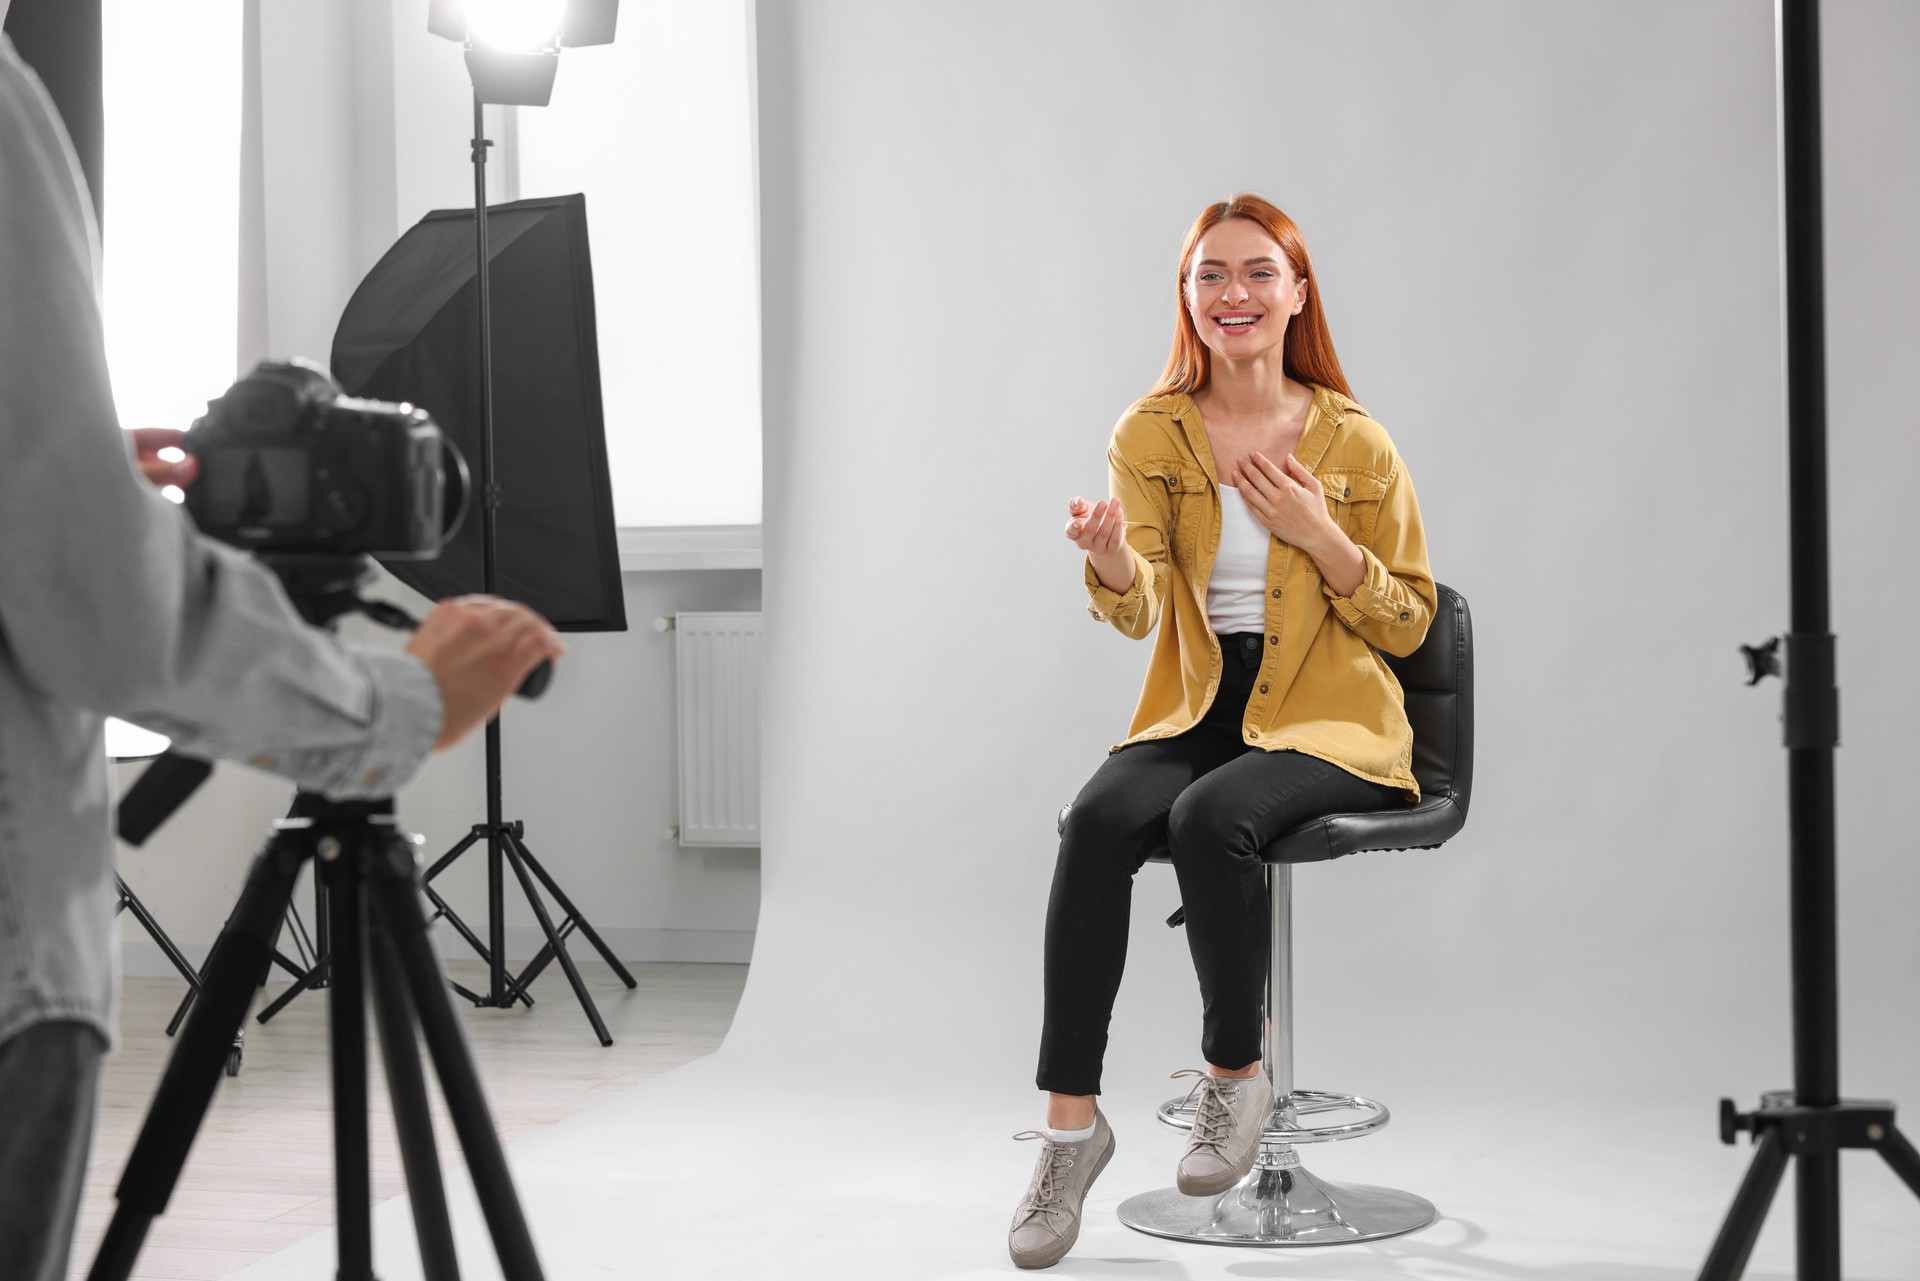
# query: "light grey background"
(1547, 237)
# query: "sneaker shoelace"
(1050, 1180)
(1213, 1113)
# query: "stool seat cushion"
(1437, 680)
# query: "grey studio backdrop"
(1547, 237)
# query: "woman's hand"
(1288, 500)
(1101, 532)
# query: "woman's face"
(1241, 290)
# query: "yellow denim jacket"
(1323, 688)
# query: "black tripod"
(504, 843)
(380, 945)
(1810, 1122)
(368, 878)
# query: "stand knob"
(1762, 660)
(1732, 1121)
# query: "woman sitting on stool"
(1257, 506)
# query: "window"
(171, 204)
(657, 130)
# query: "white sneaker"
(1047, 1222)
(1227, 1124)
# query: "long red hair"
(1306, 352)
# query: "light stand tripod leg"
(347, 1035)
(573, 913)
(1816, 1187)
(200, 1055)
(510, 846)
(443, 910)
(1899, 1154)
(1741, 1228)
(314, 977)
(412, 1121)
(395, 894)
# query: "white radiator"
(717, 661)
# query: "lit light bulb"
(173, 454)
(527, 25)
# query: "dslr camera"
(290, 465)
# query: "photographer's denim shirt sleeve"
(111, 604)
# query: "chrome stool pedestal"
(1280, 1203)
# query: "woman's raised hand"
(1100, 530)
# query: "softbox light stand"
(1810, 1123)
(410, 334)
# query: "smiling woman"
(171, 83)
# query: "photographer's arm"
(108, 598)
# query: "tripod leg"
(200, 1056)
(1734, 1246)
(566, 905)
(511, 848)
(315, 977)
(1904, 1160)
(480, 948)
(396, 897)
(440, 864)
(1816, 1180)
(347, 1034)
(131, 901)
(412, 1120)
(180, 1013)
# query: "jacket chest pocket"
(1353, 499)
(1186, 487)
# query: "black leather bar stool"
(1279, 1203)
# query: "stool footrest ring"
(1284, 1125)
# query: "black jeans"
(1213, 802)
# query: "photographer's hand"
(147, 444)
(479, 649)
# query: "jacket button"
(1405, 617)
(1275, 640)
(1276, 593)
(1263, 689)
(1347, 492)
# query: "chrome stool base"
(1279, 1203)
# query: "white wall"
(365, 127)
(1547, 236)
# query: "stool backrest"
(1438, 681)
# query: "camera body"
(288, 464)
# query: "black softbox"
(411, 333)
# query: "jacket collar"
(1324, 416)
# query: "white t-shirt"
(1237, 588)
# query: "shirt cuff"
(406, 715)
(1369, 601)
(1103, 602)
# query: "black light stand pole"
(489, 508)
(505, 848)
(1810, 1123)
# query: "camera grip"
(536, 683)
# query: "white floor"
(727, 1168)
